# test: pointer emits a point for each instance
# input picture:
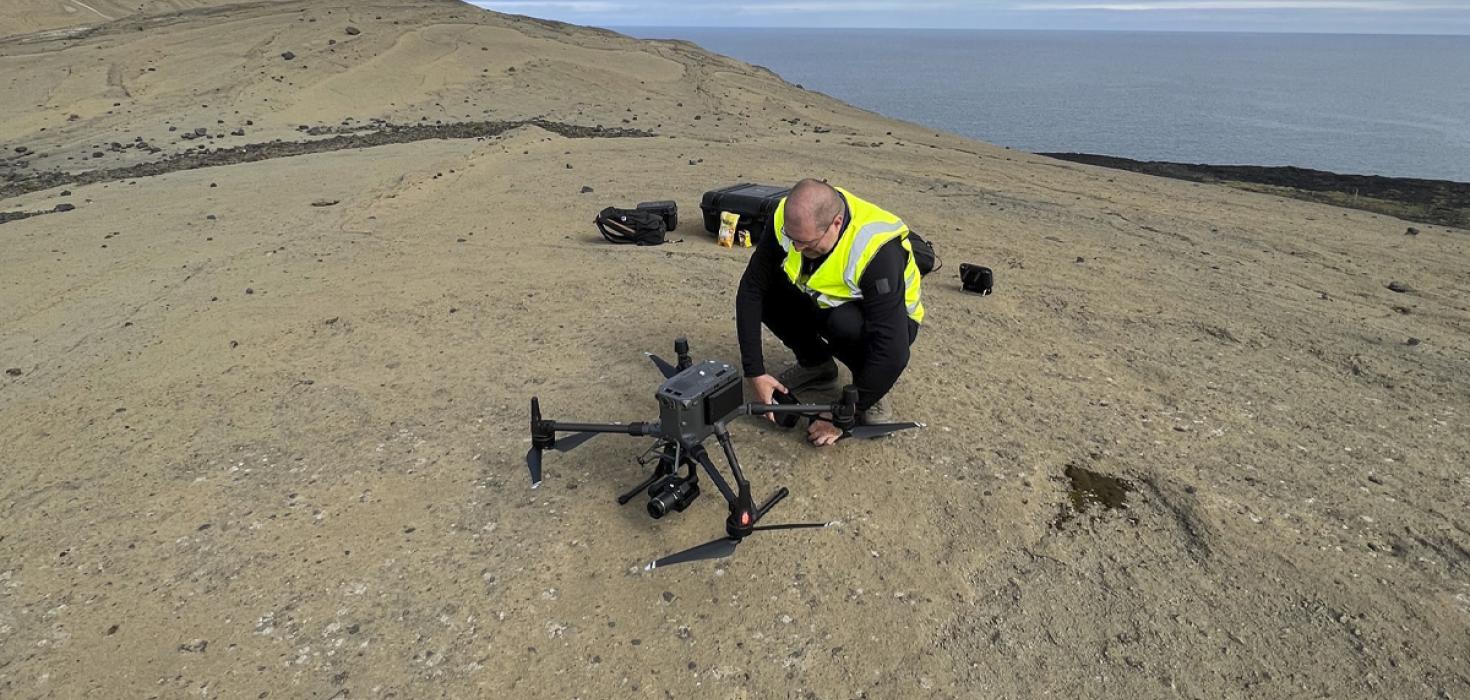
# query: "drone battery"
(724, 401)
(786, 420)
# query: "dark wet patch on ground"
(348, 138)
(1088, 490)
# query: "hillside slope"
(266, 378)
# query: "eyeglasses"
(799, 243)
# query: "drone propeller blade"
(533, 456)
(533, 462)
(876, 430)
(790, 526)
(663, 365)
(714, 549)
(564, 444)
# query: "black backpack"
(636, 226)
(924, 256)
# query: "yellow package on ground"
(728, 222)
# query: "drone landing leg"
(665, 467)
(702, 456)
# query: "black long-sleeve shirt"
(886, 335)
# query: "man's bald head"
(811, 207)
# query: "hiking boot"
(821, 377)
(880, 412)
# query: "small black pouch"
(976, 278)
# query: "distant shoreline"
(1439, 202)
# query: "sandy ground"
(260, 448)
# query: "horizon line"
(1030, 29)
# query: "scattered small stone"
(1412, 342)
(288, 55)
(22, 150)
(586, 189)
(668, 596)
(96, 154)
(569, 166)
(112, 630)
(325, 202)
(234, 344)
(1411, 231)
(1399, 287)
(211, 217)
(13, 371)
(249, 290)
(691, 161)
(352, 31)
(195, 647)
(65, 193)
(1404, 310)
(213, 185)
(203, 527)
(64, 206)
(1081, 260)
(201, 131)
(353, 628)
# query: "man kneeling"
(833, 277)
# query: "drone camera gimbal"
(696, 402)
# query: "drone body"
(695, 403)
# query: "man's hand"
(765, 387)
(823, 432)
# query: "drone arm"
(744, 486)
(843, 412)
(639, 428)
(756, 409)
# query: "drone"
(696, 402)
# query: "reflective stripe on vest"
(835, 281)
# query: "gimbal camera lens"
(674, 496)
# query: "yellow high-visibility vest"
(835, 281)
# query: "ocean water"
(1376, 105)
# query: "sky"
(1310, 16)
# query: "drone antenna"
(681, 349)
